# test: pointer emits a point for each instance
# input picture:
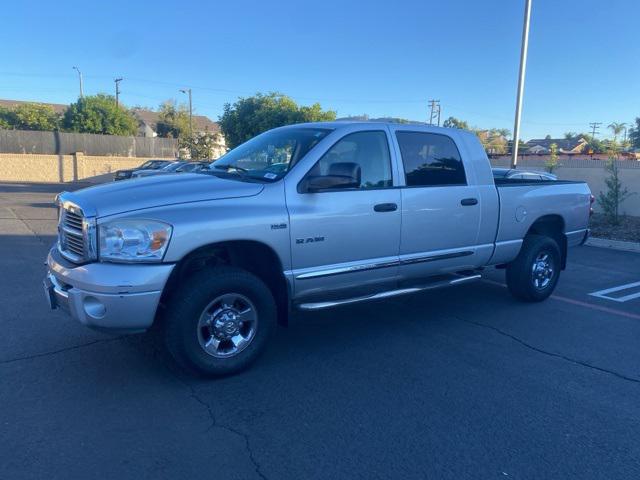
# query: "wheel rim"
(227, 325)
(542, 270)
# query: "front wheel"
(219, 321)
(533, 275)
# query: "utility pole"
(523, 67)
(188, 92)
(434, 106)
(594, 127)
(80, 77)
(117, 82)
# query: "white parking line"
(605, 293)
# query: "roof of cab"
(337, 124)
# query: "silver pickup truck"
(307, 216)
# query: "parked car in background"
(356, 212)
(170, 168)
(514, 174)
(194, 167)
(148, 165)
(181, 166)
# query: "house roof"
(562, 143)
(201, 123)
(57, 107)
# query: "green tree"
(251, 116)
(617, 128)
(34, 116)
(493, 140)
(552, 163)
(200, 145)
(616, 194)
(634, 134)
(5, 118)
(453, 122)
(173, 120)
(99, 114)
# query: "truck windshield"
(270, 155)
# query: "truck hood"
(155, 191)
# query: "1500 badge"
(300, 241)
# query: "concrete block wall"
(60, 168)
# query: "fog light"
(94, 307)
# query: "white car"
(513, 174)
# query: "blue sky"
(374, 57)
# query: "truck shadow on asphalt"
(373, 331)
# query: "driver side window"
(363, 155)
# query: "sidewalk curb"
(614, 244)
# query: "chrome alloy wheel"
(542, 271)
(227, 325)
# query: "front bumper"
(106, 296)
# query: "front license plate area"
(49, 295)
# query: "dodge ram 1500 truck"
(307, 216)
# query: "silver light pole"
(523, 66)
(188, 92)
(80, 77)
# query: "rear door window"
(430, 159)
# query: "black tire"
(522, 280)
(187, 304)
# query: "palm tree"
(616, 128)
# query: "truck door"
(440, 205)
(345, 239)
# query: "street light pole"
(80, 77)
(523, 66)
(188, 92)
(117, 81)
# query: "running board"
(388, 294)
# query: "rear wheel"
(219, 321)
(533, 275)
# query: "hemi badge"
(278, 226)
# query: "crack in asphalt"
(26, 225)
(214, 422)
(550, 354)
(61, 350)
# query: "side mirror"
(330, 182)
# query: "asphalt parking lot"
(457, 383)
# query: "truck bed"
(524, 203)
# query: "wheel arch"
(552, 226)
(254, 256)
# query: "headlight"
(133, 240)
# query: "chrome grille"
(73, 220)
(71, 235)
(77, 240)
